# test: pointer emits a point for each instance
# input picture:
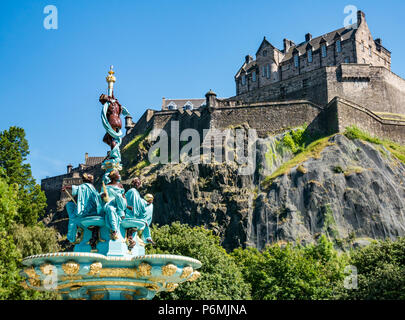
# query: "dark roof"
(92, 161)
(330, 37)
(180, 103)
(246, 67)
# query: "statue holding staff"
(88, 204)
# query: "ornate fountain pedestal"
(104, 269)
(93, 276)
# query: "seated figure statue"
(115, 203)
(88, 204)
(139, 209)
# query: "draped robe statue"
(89, 203)
(140, 210)
(116, 205)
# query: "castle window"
(263, 71)
(264, 53)
(363, 48)
(172, 106)
(323, 49)
(243, 80)
(338, 46)
(254, 76)
(296, 60)
(347, 60)
(188, 106)
(309, 53)
(369, 51)
(268, 71)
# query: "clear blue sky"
(50, 80)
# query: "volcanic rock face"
(352, 192)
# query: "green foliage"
(13, 154)
(381, 271)
(34, 239)
(220, 277)
(292, 272)
(8, 203)
(313, 150)
(396, 149)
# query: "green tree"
(13, 155)
(380, 271)
(220, 277)
(292, 271)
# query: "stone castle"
(338, 79)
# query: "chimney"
(308, 37)
(86, 156)
(248, 58)
(287, 45)
(360, 17)
(69, 168)
(378, 41)
(163, 103)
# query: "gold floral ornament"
(187, 271)
(144, 270)
(171, 286)
(31, 273)
(47, 269)
(71, 267)
(194, 276)
(169, 270)
(95, 268)
(98, 296)
(33, 277)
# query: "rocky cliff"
(349, 189)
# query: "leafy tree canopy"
(220, 277)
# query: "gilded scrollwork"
(47, 268)
(187, 271)
(95, 268)
(194, 276)
(169, 270)
(144, 270)
(171, 286)
(71, 267)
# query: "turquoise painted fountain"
(109, 230)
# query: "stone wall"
(309, 86)
(375, 88)
(267, 118)
(343, 113)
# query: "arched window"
(243, 80)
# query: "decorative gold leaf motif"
(34, 282)
(71, 267)
(117, 272)
(169, 270)
(187, 271)
(31, 272)
(194, 276)
(144, 270)
(47, 269)
(171, 286)
(95, 268)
